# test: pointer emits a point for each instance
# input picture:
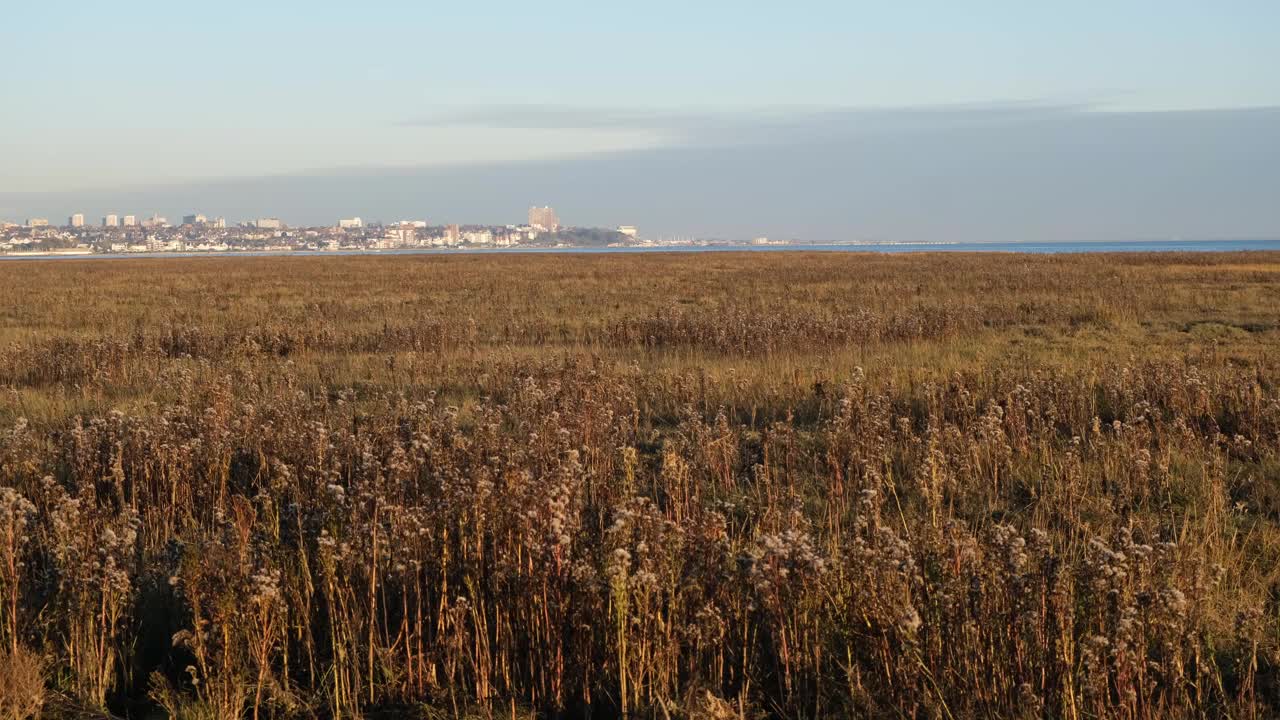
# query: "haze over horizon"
(820, 121)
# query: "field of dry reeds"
(661, 485)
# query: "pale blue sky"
(415, 55)
(100, 95)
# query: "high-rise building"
(350, 223)
(76, 220)
(629, 230)
(196, 219)
(111, 221)
(219, 223)
(452, 234)
(268, 224)
(130, 220)
(544, 218)
(37, 222)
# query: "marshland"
(757, 485)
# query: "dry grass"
(22, 690)
(790, 485)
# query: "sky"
(184, 107)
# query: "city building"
(400, 235)
(478, 237)
(129, 220)
(219, 223)
(111, 221)
(350, 223)
(629, 230)
(268, 223)
(196, 219)
(544, 218)
(37, 222)
(452, 235)
(76, 220)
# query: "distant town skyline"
(203, 234)
(539, 217)
(542, 218)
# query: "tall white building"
(76, 220)
(111, 221)
(268, 224)
(629, 230)
(350, 223)
(130, 220)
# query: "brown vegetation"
(22, 684)
(718, 485)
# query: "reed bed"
(699, 486)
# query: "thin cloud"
(749, 125)
(568, 117)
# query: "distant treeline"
(584, 237)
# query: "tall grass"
(666, 486)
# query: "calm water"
(1081, 247)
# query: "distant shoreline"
(869, 247)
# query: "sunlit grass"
(730, 485)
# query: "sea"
(969, 247)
